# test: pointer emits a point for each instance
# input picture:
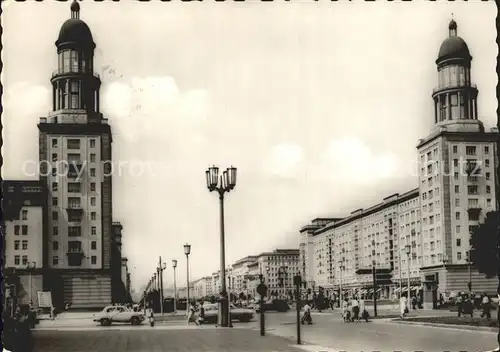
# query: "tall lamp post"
(161, 267)
(222, 184)
(469, 265)
(174, 265)
(187, 251)
(408, 252)
(341, 294)
(31, 266)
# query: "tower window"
(66, 60)
(74, 92)
(461, 80)
(74, 61)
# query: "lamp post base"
(223, 318)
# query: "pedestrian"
(201, 316)
(52, 312)
(486, 305)
(355, 309)
(307, 314)
(414, 302)
(402, 306)
(192, 314)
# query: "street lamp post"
(341, 294)
(161, 267)
(174, 265)
(187, 251)
(408, 252)
(469, 265)
(31, 266)
(230, 289)
(222, 184)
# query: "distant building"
(25, 236)
(456, 189)
(202, 287)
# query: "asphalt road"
(329, 331)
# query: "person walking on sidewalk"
(307, 314)
(402, 306)
(201, 315)
(192, 314)
(355, 309)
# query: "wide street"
(328, 333)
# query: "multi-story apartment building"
(75, 164)
(202, 287)
(423, 234)
(240, 273)
(24, 212)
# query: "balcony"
(75, 256)
(474, 211)
(61, 72)
(472, 169)
(453, 86)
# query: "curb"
(305, 345)
(447, 326)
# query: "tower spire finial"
(452, 26)
(75, 10)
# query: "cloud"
(284, 160)
(349, 159)
(152, 106)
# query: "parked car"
(241, 314)
(277, 305)
(118, 314)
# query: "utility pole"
(297, 280)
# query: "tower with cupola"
(75, 163)
(456, 166)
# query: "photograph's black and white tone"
(243, 176)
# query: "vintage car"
(118, 314)
(241, 314)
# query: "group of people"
(353, 310)
(467, 302)
(196, 313)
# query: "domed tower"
(455, 98)
(75, 163)
(74, 83)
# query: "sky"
(319, 105)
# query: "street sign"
(44, 299)
(262, 289)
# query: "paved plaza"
(160, 340)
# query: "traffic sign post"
(297, 281)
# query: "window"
(55, 260)
(54, 186)
(25, 259)
(74, 158)
(93, 245)
(74, 231)
(470, 150)
(54, 142)
(16, 245)
(473, 216)
(455, 162)
(92, 201)
(459, 255)
(455, 175)
(74, 187)
(55, 231)
(73, 144)
(487, 162)
(455, 149)
(488, 202)
(457, 189)
(16, 230)
(74, 203)
(92, 143)
(74, 247)
(486, 150)
(93, 215)
(24, 215)
(93, 230)
(55, 245)
(24, 230)
(74, 60)
(92, 158)
(457, 215)
(54, 156)
(457, 202)
(54, 201)
(473, 203)
(92, 187)
(74, 92)
(17, 260)
(488, 189)
(457, 229)
(54, 172)
(93, 260)
(92, 172)
(488, 176)
(472, 189)
(25, 245)
(66, 60)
